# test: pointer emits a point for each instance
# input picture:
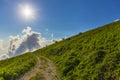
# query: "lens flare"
(27, 12)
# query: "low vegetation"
(92, 55)
(13, 68)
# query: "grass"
(43, 65)
(37, 77)
(13, 68)
(92, 55)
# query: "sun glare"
(27, 12)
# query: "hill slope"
(13, 68)
(93, 55)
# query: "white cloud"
(14, 42)
(1, 44)
(116, 20)
(27, 30)
(28, 41)
(3, 56)
(3, 52)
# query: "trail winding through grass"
(32, 72)
(45, 68)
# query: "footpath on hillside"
(43, 70)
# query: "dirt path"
(50, 72)
(33, 72)
(45, 67)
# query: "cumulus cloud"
(116, 20)
(1, 44)
(27, 30)
(27, 42)
(3, 52)
(3, 56)
(14, 42)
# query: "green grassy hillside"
(13, 68)
(92, 55)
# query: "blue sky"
(60, 17)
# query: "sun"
(27, 12)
